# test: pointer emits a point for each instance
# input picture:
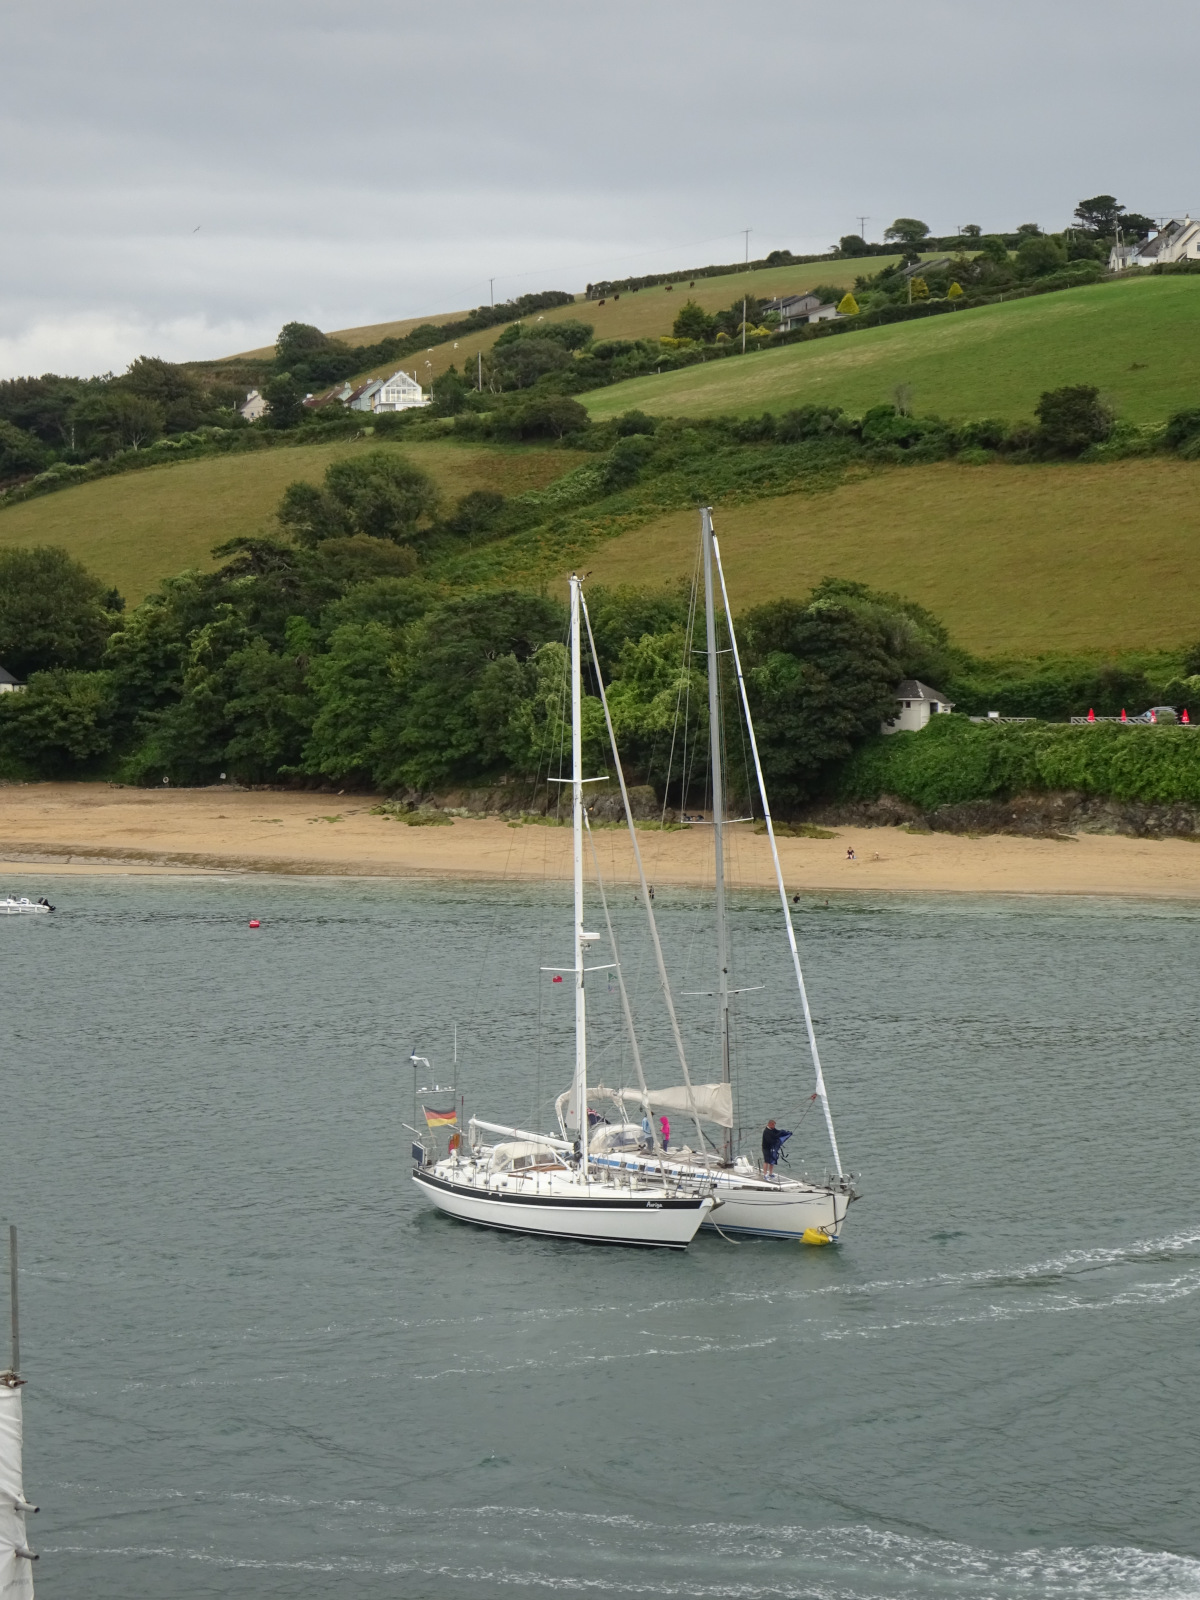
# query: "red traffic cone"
(1124, 718)
(1185, 717)
(1091, 715)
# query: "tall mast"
(718, 808)
(577, 840)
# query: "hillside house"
(793, 309)
(1178, 241)
(365, 396)
(400, 393)
(340, 392)
(9, 684)
(916, 702)
(254, 407)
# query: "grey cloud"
(350, 167)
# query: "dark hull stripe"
(631, 1206)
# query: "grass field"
(644, 315)
(1138, 340)
(136, 529)
(1012, 559)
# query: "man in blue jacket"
(772, 1143)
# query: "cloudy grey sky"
(179, 179)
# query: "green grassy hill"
(1137, 339)
(138, 528)
(644, 314)
(1012, 559)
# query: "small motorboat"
(10, 906)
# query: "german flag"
(440, 1119)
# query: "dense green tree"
(1102, 215)
(309, 514)
(520, 364)
(821, 679)
(907, 230)
(110, 419)
(547, 416)
(383, 493)
(20, 452)
(442, 733)
(972, 230)
(477, 515)
(692, 322)
(992, 248)
(449, 391)
(312, 357)
(853, 244)
(1072, 418)
(53, 611)
(353, 684)
(285, 395)
(1039, 255)
(43, 406)
(172, 388)
(65, 719)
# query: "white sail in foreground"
(550, 1187)
(751, 1202)
(16, 1557)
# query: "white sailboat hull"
(588, 1213)
(749, 1203)
(780, 1213)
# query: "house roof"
(7, 677)
(914, 689)
(364, 388)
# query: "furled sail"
(16, 1569)
(713, 1102)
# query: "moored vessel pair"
(615, 1181)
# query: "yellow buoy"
(815, 1236)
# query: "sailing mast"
(16, 1558)
(581, 938)
(711, 544)
(718, 811)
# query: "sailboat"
(751, 1201)
(16, 1558)
(533, 1183)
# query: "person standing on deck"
(773, 1141)
(666, 1131)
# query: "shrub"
(848, 305)
(631, 422)
(1183, 428)
(692, 322)
(1072, 418)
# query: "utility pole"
(743, 326)
(479, 370)
(862, 228)
(747, 232)
(492, 291)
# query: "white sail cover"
(16, 1572)
(713, 1102)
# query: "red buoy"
(556, 980)
(254, 922)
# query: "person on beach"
(666, 1131)
(773, 1140)
(850, 856)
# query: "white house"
(254, 406)
(400, 393)
(793, 309)
(9, 684)
(1178, 241)
(916, 702)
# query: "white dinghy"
(751, 1202)
(530, 1183)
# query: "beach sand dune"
(83, 827)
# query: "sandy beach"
(54, 828)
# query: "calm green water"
(259, 1366)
